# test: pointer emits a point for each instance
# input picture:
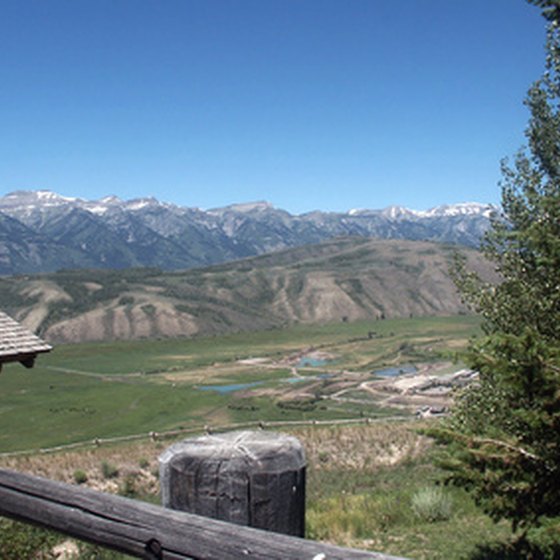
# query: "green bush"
(302, 405)
(108, 470)
(432, 504)
(545, 539)
(80, 477)
(128, 487)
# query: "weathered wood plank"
(148, 531)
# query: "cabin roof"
(18, 344)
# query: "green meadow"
(86, 391)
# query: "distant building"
(18, 344)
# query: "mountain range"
(42, 231)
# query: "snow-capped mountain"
(444, 211)
(464, 209)
(42, 231)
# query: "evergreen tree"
(503, 439)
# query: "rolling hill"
(343, 279)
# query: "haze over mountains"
(41, 231)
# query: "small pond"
(225, 389)
(395, 371)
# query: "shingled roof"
(18, 344)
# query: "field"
(370, 485)
(81, 392)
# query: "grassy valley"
(81, 392)
(124, 402)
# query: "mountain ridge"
(145, 232)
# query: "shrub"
(108, 470)
(80, 477)
(432, 504)
(324, 457)
(128, 487)
(301, 405)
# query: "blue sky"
(309, 104)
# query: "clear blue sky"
(309, 104)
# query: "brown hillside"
(340, 280)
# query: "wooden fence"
(148, 531)
(170, 434)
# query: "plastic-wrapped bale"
(249, 478)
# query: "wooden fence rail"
(148, 531)
(169, 434)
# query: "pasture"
(85, 391)
(365, 482)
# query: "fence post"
(249, 478)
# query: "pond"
(225, 389)
(395, 371)
(232, 387)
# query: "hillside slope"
(339, 280)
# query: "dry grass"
(138, 461)
(361, 485)
(361, 448)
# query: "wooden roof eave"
(25, 359)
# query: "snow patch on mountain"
(28, 199)
(461, 209)
(244, 207)
(443, 211)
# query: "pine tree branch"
(555, 369)
(508, 446)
